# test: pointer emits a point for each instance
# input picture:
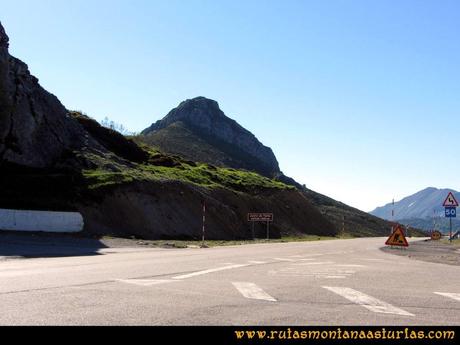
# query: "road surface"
(340, 282)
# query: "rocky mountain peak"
(204, 117)
(4, 39)
(198, 111)
(202, 103)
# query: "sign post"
(450, 205)
(392, 216)
(204, 222)
(261, 217)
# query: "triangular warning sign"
(397, 238)
(450, 201)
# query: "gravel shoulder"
(441, 251)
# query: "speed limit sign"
(451, 212)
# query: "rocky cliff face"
(204, 116)
(37, 131)
(35, 128)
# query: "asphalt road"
(340, 282)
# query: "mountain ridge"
(422, 204)
(422, 209)
(203, 118)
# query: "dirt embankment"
(173, 210)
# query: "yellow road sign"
(397, 238)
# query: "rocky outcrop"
(207, 120)
(112, 140)
(4, 39)
(35, 128)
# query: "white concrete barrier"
(44, 221)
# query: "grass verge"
(222, 243)
(455, 243)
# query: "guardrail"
(41, 221)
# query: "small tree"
(106, 122)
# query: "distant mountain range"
(423, 209)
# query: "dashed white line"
(257, 262)
(212, 270)
(146, 282)
(360, 266)
(315, 263)
(252, 291)
(455, 296)
(284, 259)
(368, 302)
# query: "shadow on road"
(37, 245)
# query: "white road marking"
(306, 259)
(315, 263)
(212, 270)
(296, 256)
(257, 262)
(284, 259)
(455, 296)
(351, 266)
(252, 291)
(146, 282)
(368, 302)
(317, 272)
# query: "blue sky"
(360, 100)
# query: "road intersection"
(339, 282)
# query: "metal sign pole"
(392, 215)
(204, 221)
(268, 230)
(253, 234)
(450, 233)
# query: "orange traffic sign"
(450, 201)
(397, 238)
